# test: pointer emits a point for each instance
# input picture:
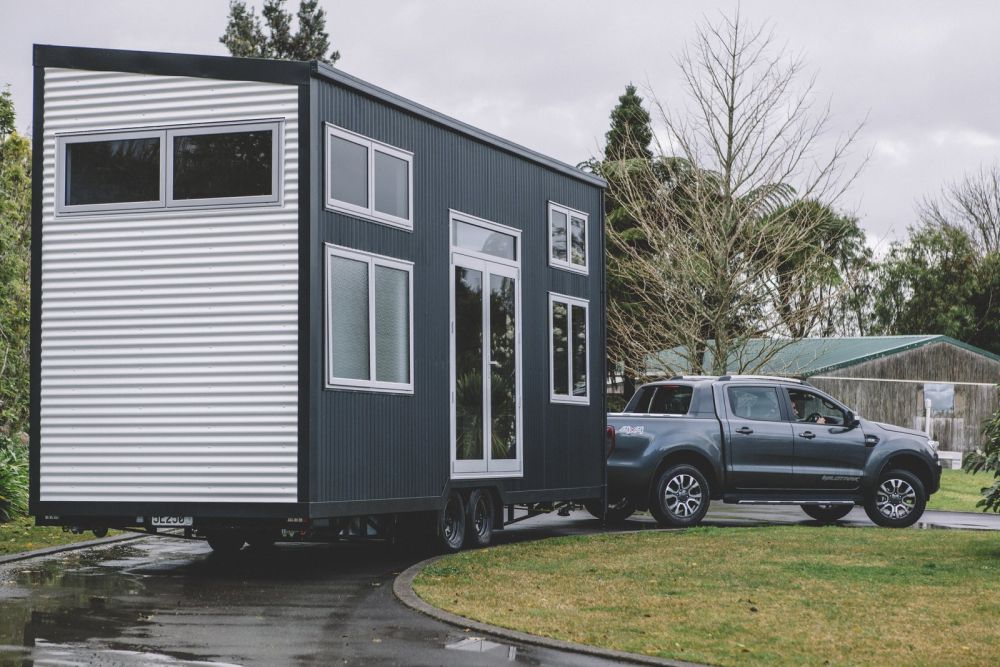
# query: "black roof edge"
(291, 72)
(325, 71)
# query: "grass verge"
(779, 595)
(960, 491)
(22, 534)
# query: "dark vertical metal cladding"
(37, 185)
(306, 219)
(376, 446)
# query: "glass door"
(485, 367)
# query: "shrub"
(13, 478)
(988, 458)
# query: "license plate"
(171, 521)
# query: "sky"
(922, 76)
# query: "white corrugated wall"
(169, 338)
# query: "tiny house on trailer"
(268, 296)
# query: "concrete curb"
(402, 587)
(75, 546)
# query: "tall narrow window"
(369, 326)
(368, 179)
(567, 238)
(568, 340)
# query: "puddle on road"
(480, 645)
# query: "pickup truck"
(683, 442)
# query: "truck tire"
(225, 542)
(617, 511)
(479, 519)
(680, 497)
(898, 499)
(451, 524)
(827, 513)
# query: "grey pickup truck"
(749, 439)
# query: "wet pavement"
(170, 602)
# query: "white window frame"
(372, 260)
(166, 135)
(372, 146)
(276, 160)
(568, 263)
(568, 301)
(457, 216)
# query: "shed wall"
(890, 389)
(368, 446)
(168, 338)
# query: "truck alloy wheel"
(451, 523)
(898, 500)
(479, 519)
(680, 497)
(827, 513)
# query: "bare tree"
(973, 204)
(721, 257)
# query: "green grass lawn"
(779, 595)
(960, 491)
(23, 535)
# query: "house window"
(223, 165)
(369, 321)
(112, 171)
(569, 363)
(368, 179)
(231, 164)
(567, 238)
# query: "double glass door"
(485, 367)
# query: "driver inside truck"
(799, 409)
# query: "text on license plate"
(171, 521)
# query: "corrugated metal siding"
(169, 339)
(379, 446)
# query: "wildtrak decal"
(840, 478)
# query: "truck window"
(814, 409)
(757, 403)
(671, 400)
(640, 402)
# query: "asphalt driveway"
(171, 602)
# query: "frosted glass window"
(567, 238)
(392, 325)
(569, 349)
(392, 185)
(349, 352)
(348, 165)
(369, 321)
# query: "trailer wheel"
(479, 519)
(262, 540)
(618, 510)
(451, 523)
(225, 543)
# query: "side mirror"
(851, 420)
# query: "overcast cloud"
(546, 74)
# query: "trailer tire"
(616, 512)
(451, 524)
(262, 540)
(225, 543)
(479, 519)
(827, 513)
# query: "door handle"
(745, 430)
(808, 435)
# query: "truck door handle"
(808, 435)
(745, 430)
